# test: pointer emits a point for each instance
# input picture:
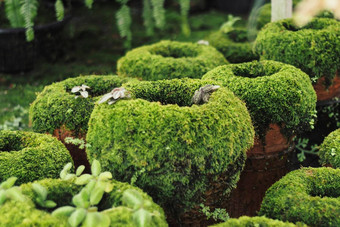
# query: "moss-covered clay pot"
(314, 48)
(57, 111)
(169, 60)
(30, 156)
(330, 150)
(15, 213)
(234, 45)
(308, 195)
(184, 154)
(256, 221)
(280, 99)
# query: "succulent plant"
(9, 191)
(82, 90)
(115, 95)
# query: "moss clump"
(255, 221)
(308, 195)
(330, 150)
(175, 147)
(56, 106)
(27, 214)
(273, 92)
(30, 156)
(314, 48)
(168, 60)
(234, 45)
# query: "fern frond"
(147, 16)
(29, 9)
(12, 9)
(89, 3)
(123, 17)
(185, 7)
(59, 10)
(158, 12)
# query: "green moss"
(273, 92)
(14, 214)
(234, 45)
(330, 150)
(254, 222)
(56, 106)
(30, 156)
(308, 195)
(180, 147)
(315, 48)
(168, 60)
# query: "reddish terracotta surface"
(265, 165)
(326, 94)
(78, 155)
(274, 142)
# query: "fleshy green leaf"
(3, 196)
(96, 219)
(105, 176)
(80, 170)
(132, 198)
(40, 190)
(142, 218)
(95, 168)
(50, 204)
(8, 183)
(77, 217)
(65, 170)
(83, 179)
(65, 211)
(15, 194)
(81, 199)
(96, 196)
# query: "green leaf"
(105, 176)
(65, 211)
(12, 9)
(28, 10)
(65, 170)
(89, 3)
(8, 183)
(90, 186)
(80, 170)
(96, 196)
(95, 168)
(59, 9)
(132, 198)
(77, 217)
(50, 204)
(83, 179)
(81, 199)
(15, 194)
(40, 190)
(3, 196)
(96, 219)
(142, 218)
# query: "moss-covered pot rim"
(329, 152)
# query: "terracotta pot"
(78, 155)
(266, 163)
(324, 93)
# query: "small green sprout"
(7, 191)
(41, 196)
(229, 25)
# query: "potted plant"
(63, 109)
(330, 150)
(281, 101)
(23, 26)
(186, 154)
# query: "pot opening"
(238, 36)
(254, 69)
(175, 52)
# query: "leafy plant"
(78, 142)
(82, 90)
(115, 95)
(21, 13)
(301, 146)
(41, 196)
(229, 25)
(217, 214)
(9, 191)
